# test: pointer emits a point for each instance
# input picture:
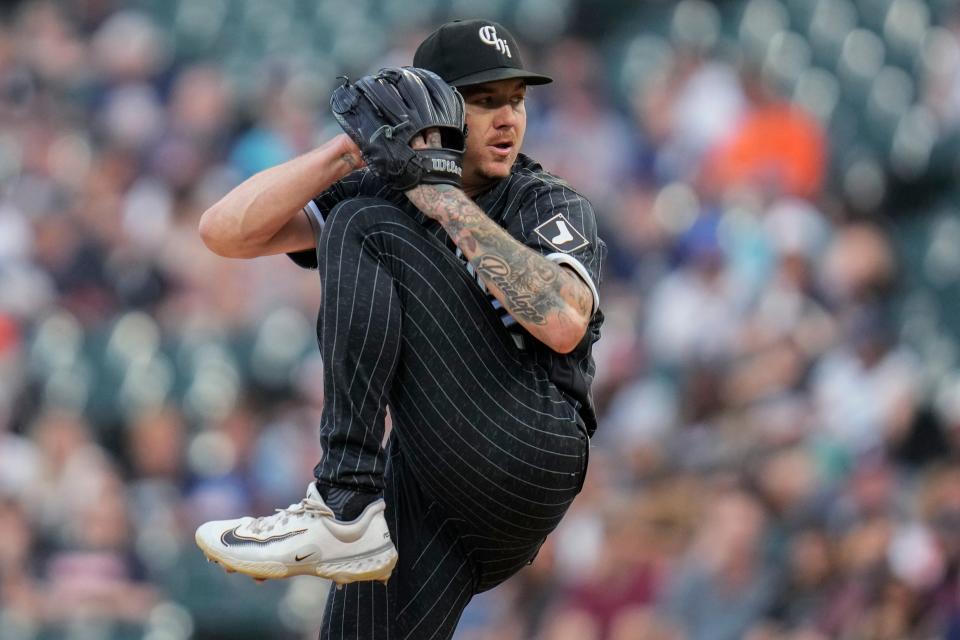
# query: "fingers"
(429, 139)
(419, 141)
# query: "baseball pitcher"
(459, 289)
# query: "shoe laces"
(307, 506)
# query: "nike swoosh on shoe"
(231, 538)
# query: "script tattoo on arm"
(530, 295)
(551, 301)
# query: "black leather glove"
(382, 113)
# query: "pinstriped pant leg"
(359, 334)
(430, 586)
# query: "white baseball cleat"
(303, 539)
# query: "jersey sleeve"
(560, 224)
(320, 207)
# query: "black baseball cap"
(465, 52)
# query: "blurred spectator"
(859, 265)
(19, 587)
(723, 583)
(776, 147)
(156, 449)
(624, 577)
(865, 390)
(579, 123)
(670, 108)
(700, 289)
(92, 572)
(809, 583)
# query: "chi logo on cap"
(488, 34)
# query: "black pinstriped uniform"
(489, 444)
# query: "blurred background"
(778, 377)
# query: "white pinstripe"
(449, 611)
(424, 616)
(437, 533)
(383, 343)
(423, 586)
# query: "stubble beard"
(482, 178)
(496, 170)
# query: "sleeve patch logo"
(561, 235)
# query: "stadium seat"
(827, 31)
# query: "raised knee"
(359, 214)
(354, 223)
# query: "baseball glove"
(382, 113)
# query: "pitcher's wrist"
(346, 154)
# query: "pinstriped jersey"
(541, 211)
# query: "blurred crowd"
(775, 458)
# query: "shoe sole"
(377, 565)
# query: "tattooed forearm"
(535, 290)
(524, 304)
(540, 294)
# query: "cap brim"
(501, 73)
